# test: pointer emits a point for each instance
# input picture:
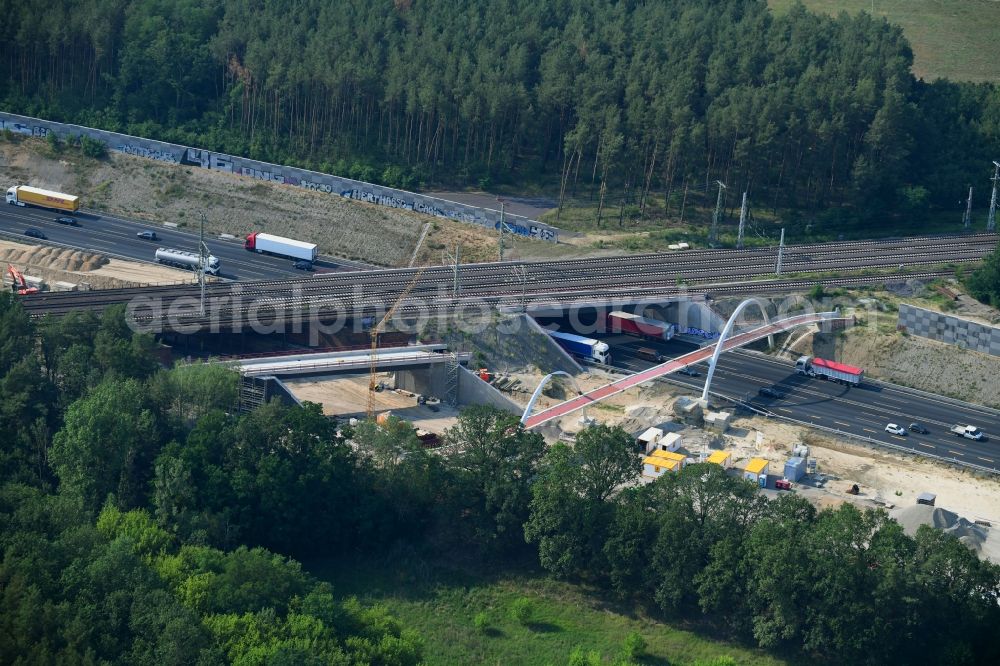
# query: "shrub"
(93, 148)
(54, 143)
(716, 661)
(580, 658)
(481, 622)
(522, 610)
(634, 645)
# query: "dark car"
(147, 235)
(649, 354)
(768, 392)
(67, 220)
(303, 265)
(916, 427)
(35, 233)
(690, 372)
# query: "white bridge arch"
(725, 334)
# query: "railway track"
(280, 312)
(649, 273)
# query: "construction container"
(649, 440)
(670, 442)
(656, 466)
(795, 468)
(756, 468)
(669, 455)
(722, 458)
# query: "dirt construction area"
(84, 269)
(347, 396)
(885, 479)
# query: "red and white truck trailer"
(643, 327)
(838, 372)
(282, 247)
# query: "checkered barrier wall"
(948, 328)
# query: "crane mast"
(376, 331)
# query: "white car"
(894, 429)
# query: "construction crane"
(19, 286)
(376, 331)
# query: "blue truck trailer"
(587, 348)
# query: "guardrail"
(850, 435)
(902, 449)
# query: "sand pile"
(54, 258)
(972, 535)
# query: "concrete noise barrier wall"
(173, 153)
(948, 328)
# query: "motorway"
(862, 410)
(117, 236)
(827, 320)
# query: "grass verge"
(480, 618)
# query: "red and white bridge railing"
(739, 340)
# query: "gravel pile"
(972, 535)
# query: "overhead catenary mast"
(991, 221)
(967, 220)
(713, 235)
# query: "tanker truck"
(185, 259)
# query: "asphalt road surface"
(117, 236)
(862, 410)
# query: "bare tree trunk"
(604, 189)
(593, 173)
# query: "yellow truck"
(22, 195)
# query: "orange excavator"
(20, 287)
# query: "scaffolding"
(454, 370)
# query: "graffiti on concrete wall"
(372, 197)
(527, 230)
(708, 335)
(21, 128)
(151, 153)
(318, 187)
(207, 160)
(344, 187)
